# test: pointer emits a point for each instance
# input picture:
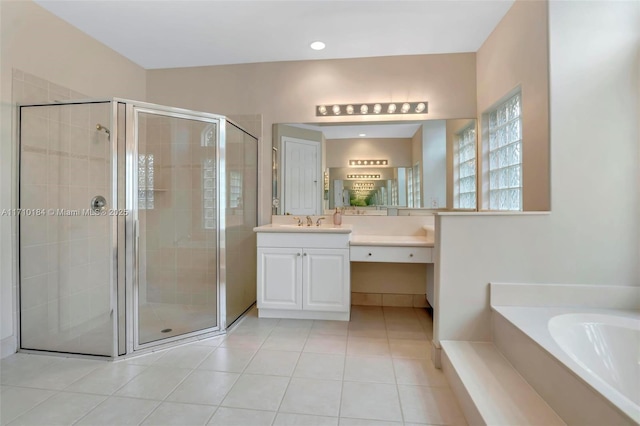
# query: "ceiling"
(372, 131)
(186, 33)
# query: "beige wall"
(37, 42)
(516, 54)
(592, 234)
(287, 92)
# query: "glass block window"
(209, 193)
(235, 189)
(146, 197)
(466, 168)
(505, 156)
(208, 139)
(409, 187)
(416, 185)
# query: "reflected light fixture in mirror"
(419, 107)
(368, 162)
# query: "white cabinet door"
(279, 278)
(326, 280)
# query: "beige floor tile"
(369, 369)
(154, 383)
(320, 366)
(106, 380)
(176, 414)
(418, 372)
(333, 328)
(63, 408)
(312, 396)
(431, 405)
(241, 417)
(409, 349)
(188, 356)
(119, 411)
(15, 366)
(288, 419)
(204, 387)
(326, 344)
(232, 360)
(17, 401)
(243, 342)
(211, 341)
(273, 363)
(367, 346)
(147, 359)
(362, 422)
(57, 374)
(284, 342)
(373, 401)
(257, 392)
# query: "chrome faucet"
(319, 220)
(309, 221)
(298, 219)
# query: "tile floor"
(373, 370)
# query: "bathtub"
(599, 348)
(606, 346)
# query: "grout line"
(292, 373)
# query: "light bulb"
(362, 135)
(420, 107)
(405, 108)
(349, 109)
(364, 109)
(336, 109)
(377, 108)
(317, 45)
(322, 110)
(391, 109)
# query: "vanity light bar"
(368, 162)
(363, 185)
(382, 108)
(358, 176)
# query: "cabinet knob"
(411, 255)
(305, 254)
(369, 254)
(298, 254)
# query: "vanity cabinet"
(303, 276)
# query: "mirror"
(374, 168)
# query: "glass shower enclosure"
(136, 226)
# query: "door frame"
(132, 222)
(283, 155)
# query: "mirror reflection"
(374, 168)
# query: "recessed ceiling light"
(317, 45)
(362, 135)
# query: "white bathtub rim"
(532, 321)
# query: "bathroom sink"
(292, 227)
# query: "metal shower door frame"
(132, 230)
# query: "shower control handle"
(98, 204)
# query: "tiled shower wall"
(64, 262)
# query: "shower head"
(101, 127)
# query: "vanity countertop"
(324, 228)
(391, 240)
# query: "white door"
(325, 284)
(279, 278)
(301, 176)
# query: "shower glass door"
(174, 191)
(67, 241)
